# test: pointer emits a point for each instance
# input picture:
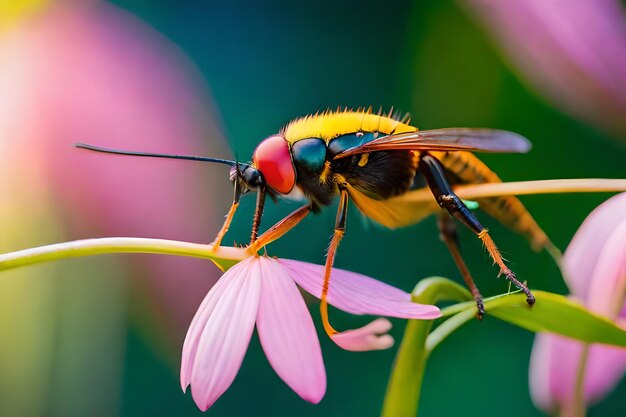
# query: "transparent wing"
(450, 139)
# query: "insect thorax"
(380, 174)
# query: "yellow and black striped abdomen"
(465, 168)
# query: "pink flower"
(572, 52)
(263, 290)
(92, 72)
(594, 267)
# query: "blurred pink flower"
(263, 290)
(572, 52)
(594, 267)
(89, 71)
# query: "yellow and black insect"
(379, 162)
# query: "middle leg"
(279, 229)
(340, 229)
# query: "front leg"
(229, 217)
(446, 198)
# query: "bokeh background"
(103, 336)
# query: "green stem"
(224, 257)
(405, 383)
(579, 185)
(448, 327)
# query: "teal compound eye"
(309, 154)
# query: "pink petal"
(554, 365)
(287, 333)
(196, 329)
(369, 337)
(607, 286)
(581, 71)
(581, 256)
(358, 294)
(595, 268)
(605, 368)
(540, 372)
(226, 335)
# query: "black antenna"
(156, 155)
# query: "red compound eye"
(273, 159)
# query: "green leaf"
(551, 313)
(556, 314)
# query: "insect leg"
(258, 213)
(280, 228)
(340, 229)
(229, 217)
(438, 183)
(448, 234)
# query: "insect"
(379, 162)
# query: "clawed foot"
(510, 275)
(480, 308)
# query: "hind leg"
(446, 198)
(448, 234)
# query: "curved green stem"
(405, 383)
(448, 327)
(223, 257)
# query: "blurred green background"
(268, 62)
